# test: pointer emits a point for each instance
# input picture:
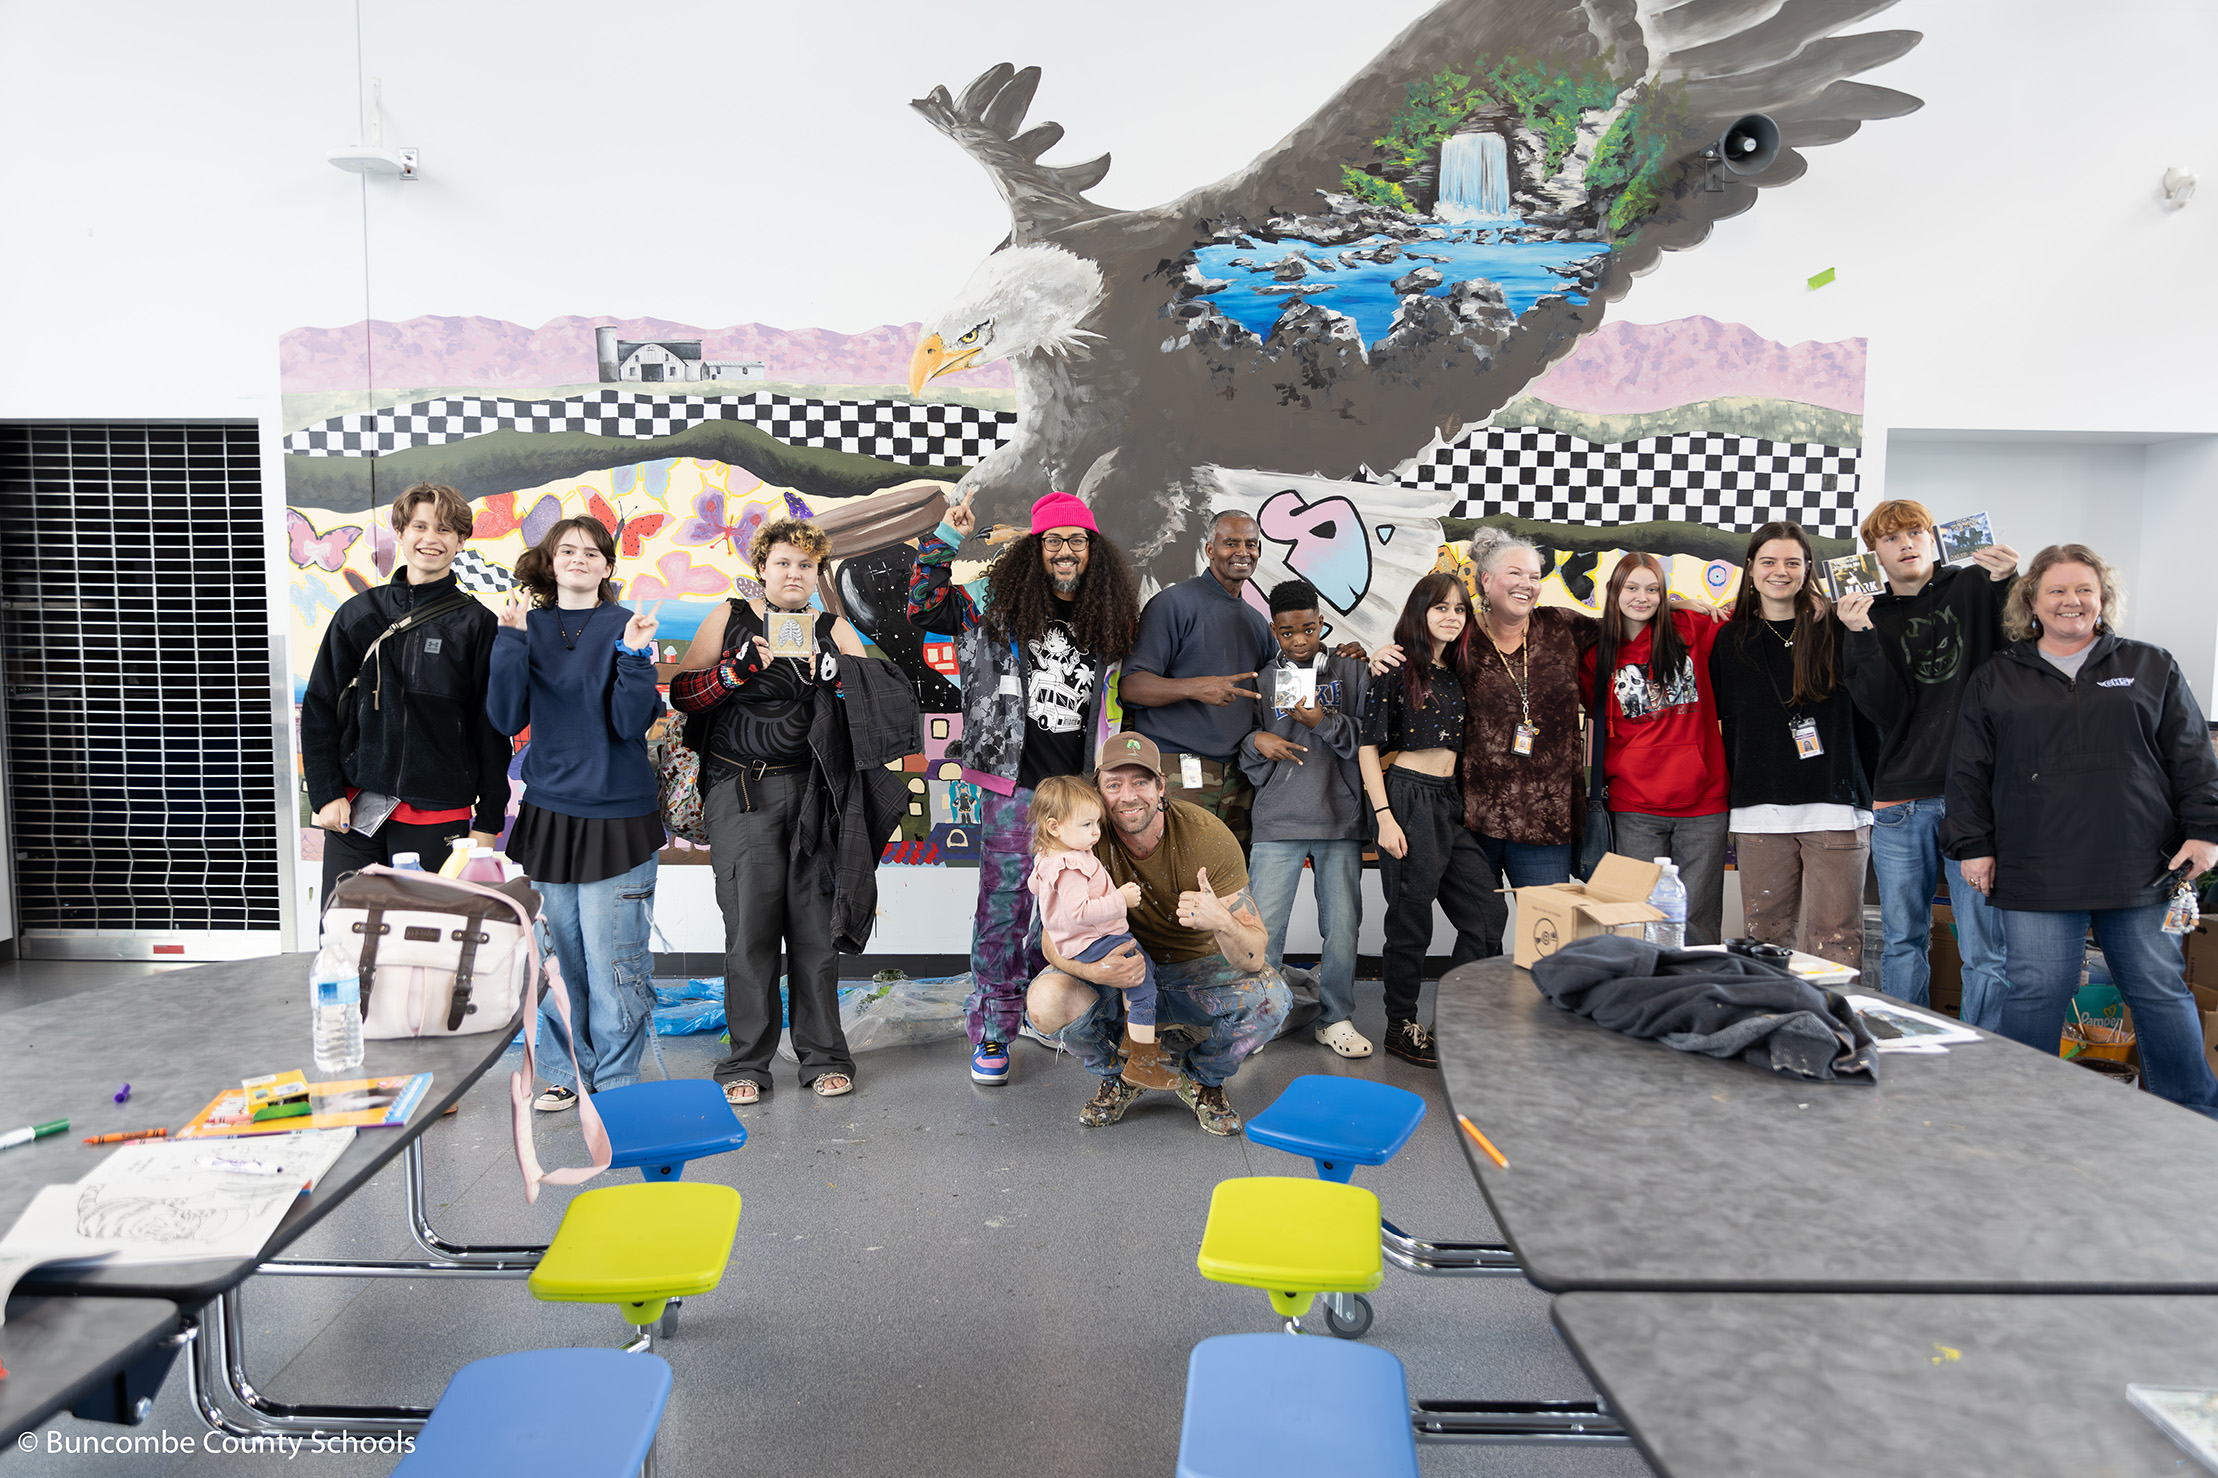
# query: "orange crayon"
(1482, 1141)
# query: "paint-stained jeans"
(600, 936)
(1004, 942)
(1233, 1012)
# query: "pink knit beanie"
(1061, 511)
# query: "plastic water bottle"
(335, 1015)
(1669, 899)
(407, 862)
(484, 866)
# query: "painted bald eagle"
(1362, 304)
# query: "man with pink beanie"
(1038, 638)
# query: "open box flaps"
(1613, 901)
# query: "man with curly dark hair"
(1038, 640)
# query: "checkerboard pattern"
(934, 435)
(480, 576)
(1738, 483)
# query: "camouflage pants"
(1233, 1013)
(1224, 793)
(1005, 942)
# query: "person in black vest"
(754, 780)
(395, 746)
(579, 671)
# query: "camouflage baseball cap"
(1130, 749)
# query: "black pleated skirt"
(553, 848)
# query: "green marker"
(29, 1132)
(1821, 279)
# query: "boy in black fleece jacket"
(413, 726)
(1909, 653)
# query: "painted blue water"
(1363, 290)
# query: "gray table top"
(1887, 1384)
(56, 1349)
(1992, 1169)
(179, 1039)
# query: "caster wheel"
(1351, 1328)
(667, 1326)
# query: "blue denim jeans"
(2045, 952)
(1274, 875)
(1232, 1013)
(1527, 864)
(600, 936)
(1906, 856)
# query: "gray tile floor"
(931, 1277)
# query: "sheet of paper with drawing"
(171, 1202)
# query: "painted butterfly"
(708, 523)
(632, 533)
(327, 551)
(679, 577)
(496, 518)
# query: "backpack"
(443, 957)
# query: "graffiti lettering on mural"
(1405, 262)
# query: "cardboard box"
(2201, 946)
(1613, 901)
(1945, 993)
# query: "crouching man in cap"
(1196, 922)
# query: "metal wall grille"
(141, 748)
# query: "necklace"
(562, 624)
(1523, 681)
(1785, 641)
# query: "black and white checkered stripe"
(480, 576)
(939, 434)
(1729, 482)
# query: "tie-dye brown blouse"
(1534, 798)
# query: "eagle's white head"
(1026, 299)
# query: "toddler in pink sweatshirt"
(1080, 912)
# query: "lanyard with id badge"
(1521, 743)
(1802, 728)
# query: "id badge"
(1189, 771)
(1523, 743)
(1806, 742)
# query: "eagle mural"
(1402, 265)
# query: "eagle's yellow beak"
(932, 360)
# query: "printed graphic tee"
(1664, 754)
(1059, 677)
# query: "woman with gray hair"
(2082, 791)
(1522, 790)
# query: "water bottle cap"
(404, 859)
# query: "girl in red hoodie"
(1663, 756)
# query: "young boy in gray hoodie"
(1309, 800)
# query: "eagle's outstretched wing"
(1042, 198)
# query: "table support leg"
(1523, 1423)
(228, 1402)
(1447, 1259)
(447, 1259)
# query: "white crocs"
(1343, 1038)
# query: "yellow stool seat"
(1293, 1238)
(638, 1246)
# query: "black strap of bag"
(417, 617)
(372, 927)
(471, 934)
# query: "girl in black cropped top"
(1413, 726)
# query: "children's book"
(360, 1103)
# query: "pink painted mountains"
(1620, 368)
(1624, 368)
(487, 352)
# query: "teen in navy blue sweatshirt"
(579, 671)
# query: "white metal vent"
(141, 741)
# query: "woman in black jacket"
(2082, 781)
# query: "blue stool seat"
(549, 1413)
(1275, 1406)
(1339, 1122)
(658, 1127)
